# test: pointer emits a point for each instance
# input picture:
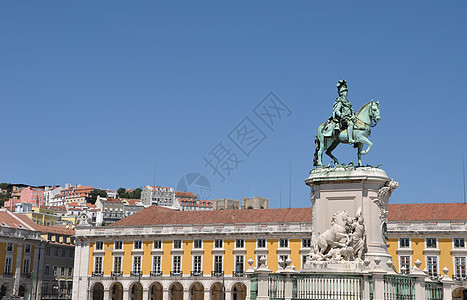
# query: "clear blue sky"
(93, 92)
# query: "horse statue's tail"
(315, 157)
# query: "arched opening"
(98, 291)
(176, 291)
(2, 292)
(216, 291)
(136, 291)
(155, 291)
(21, 291)
(238, 291)
(116, 291)
(196, 291)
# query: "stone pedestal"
(348, 188)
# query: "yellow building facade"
(164, 254)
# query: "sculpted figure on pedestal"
(344, 241)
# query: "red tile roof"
(427, 212)
(184, 195)
(156, 215)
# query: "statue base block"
(356, 190)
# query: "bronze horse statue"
(367, 116)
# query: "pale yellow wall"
(208, 258)
(273, 257)
(127, 260)
(91, 258)
(147, 257)
(445, 258)
(187, 261)
(295, 256)
(167, 257)
(250, 246)
(229, 257)
(108, 258)
(393, 245)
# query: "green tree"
(136, 194)
(121, 192)
(96, 193)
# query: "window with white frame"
(459, 243)
(261, 243)
(432, 265)
(136, 264)
(55, 268)
(404, 264)
(8, 262)
(62, 271)
(157, 244)
(117, 264)
(45, 289)
(177, 264)
(47, 251)
(56, 252)
(26, 266)
(218, 263)
(306, 243)
(99, 245)
(217, 243)
(197, 244)
(137, 245)
(239, 263)
(9, 247)
(97, 265)
(460, 267)
(197, 264)
(431, 243)
(239, 243)
(404, 243)
(70, 271)
(177, 244)
(283, 243)
(118, 245)
(27, 248)
(157, 264)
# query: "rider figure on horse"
(343, 115)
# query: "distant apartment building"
(158, 195)
(112, 210)
(72, 194)
(189, 201)
(50, 193)
(32, 195)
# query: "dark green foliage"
(96, 193)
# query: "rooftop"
(156, 215)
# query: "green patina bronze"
(346, 127)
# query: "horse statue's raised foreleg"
(364, 140)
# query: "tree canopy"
(96, 193)
(134, 194)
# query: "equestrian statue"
(344, 126)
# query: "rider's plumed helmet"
(342, 86)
